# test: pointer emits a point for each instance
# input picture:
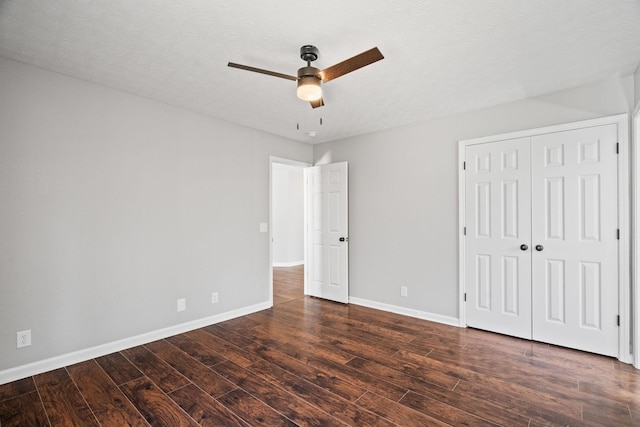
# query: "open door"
(327, 271)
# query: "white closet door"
(498, 222)
(574, 235)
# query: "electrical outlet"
(24, 338)
(182, 304)
(403, 291)
(214, 298)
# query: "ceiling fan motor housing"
(308, 72)
(309, 53)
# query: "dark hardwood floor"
(310, 362)
(288, 284)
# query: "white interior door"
(556, 193)
(574, 232)
(327, 234)
(498, 218)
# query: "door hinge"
(618, 320)
(617, 148)
(464, 165)
(618, 234)
(465, 297)
(464, 231)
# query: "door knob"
(524, 247)
(539, 248)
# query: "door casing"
(636, 237)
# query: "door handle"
(344, 239)
(539, 248)
(524, 247)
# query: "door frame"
(302, 165)
(635, 126)
(624, 283)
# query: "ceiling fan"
(309, 78)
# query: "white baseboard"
(56, 362)
(288, 264)
(438, 318)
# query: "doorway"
(287, 229)
(315, 197)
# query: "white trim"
(624, 244)
(425, 315)
(635, 263)
(622, 121)
(305, 281)
(24, 371)
(288, 264)
(462, 315)
(616, 119)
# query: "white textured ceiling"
(441, 56)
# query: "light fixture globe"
(309, 84)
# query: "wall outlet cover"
(23, 338)
(182, 304)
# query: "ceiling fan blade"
(317, 103)
(261, 71)
(351, 64)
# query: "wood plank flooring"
(308, 362)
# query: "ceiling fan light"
(309, 88)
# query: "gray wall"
(113, 206)
(288, 214)
(403, 192)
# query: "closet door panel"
(498, 218)
(574, 236)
